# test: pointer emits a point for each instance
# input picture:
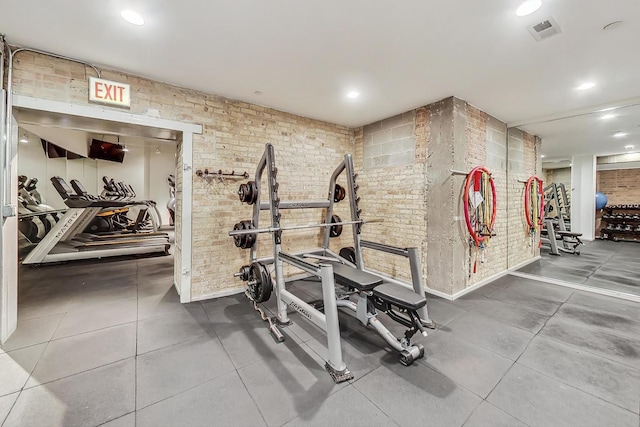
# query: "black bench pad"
(399, 296)
(568, 234)
(354, 278)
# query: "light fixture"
(24, 138)
(586, 86)
(542, 156)
(353, 94)
(528, 7)
(619, 134)
(608, 116)
(570, 164)
(124, 148)
(132, 17)
(158, 151)
(629, 147)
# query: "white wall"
(160, 166)
(583, 196)
(9, 291)
(142, 168)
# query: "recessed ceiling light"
(353, 94)
(586, 85)
(258, 92)
(24, 138)
(608, 116)
(132, 17)
(629, 147)
(542, 156)
(124, 148)
(570, 164)
(619, 134)
(528, 7)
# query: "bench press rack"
(404, 303)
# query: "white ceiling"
(304, 56)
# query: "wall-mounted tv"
(103, 150)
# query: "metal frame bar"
(297, 204)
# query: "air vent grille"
(545, 29)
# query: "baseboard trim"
(225, 293)
(591, 289)
(525, 263)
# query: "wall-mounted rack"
(206, 174)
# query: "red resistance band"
(476, 230)
(527, 201)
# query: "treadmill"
(67, 240)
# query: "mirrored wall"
(610, 139)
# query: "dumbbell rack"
(622, 223)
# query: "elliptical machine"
(171, 204)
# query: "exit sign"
(108, 92)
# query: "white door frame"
(8, 310)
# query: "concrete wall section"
(443, 264)
(390, 142)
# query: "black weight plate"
(260, 286)
(335, 230)
(338, 193)
(348, 253)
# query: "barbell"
(243, 231)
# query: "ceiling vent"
(545, 29)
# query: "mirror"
(589, 153)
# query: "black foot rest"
(354, 278)
(399, 296)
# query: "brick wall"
(234, 134)
(620, 186)
(419, 199)
(394, 192)
(427, 209)
(486, 146)
(523, 163)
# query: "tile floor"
(602, 264)
(107, 343)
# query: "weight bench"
(399, 303)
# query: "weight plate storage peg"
(260, 286)
(335, 230)
(248, 193)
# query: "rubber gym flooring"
(601, 263)
(107, 343)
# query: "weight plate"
(348, 253)
(335, 230)
(338, 193)
(260, 286)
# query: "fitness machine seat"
(74, 200)
(354, 278)
(399, 296)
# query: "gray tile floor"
(601, 264)
(108, 343)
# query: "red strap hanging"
(527, 201)
(475, 177)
